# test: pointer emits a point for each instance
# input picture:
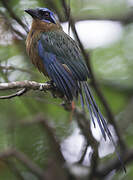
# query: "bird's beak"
(31, 12)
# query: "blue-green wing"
(66, 51)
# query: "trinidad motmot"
(59, 57)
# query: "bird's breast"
(32, 50)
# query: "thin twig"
(13, 15)
(54, 142)
(15, 68)
(13, 30)
(14, 169)
(125, 18)
(3, 76)
(84, 151)
(19, 93)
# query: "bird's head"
(42, 14)
(44, 19)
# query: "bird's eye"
(41, 13)
(46, 14)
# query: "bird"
(59, 57)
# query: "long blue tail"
(88, 99)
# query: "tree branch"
(14, 16)
(54, 142)
(114, 164)
(19, 93)
(15, 68)
(26, 84)
(125, 19)
(84, 151)
(24, 159)
(12, 166)
(57, 156)
(13, 30)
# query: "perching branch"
(25, 84)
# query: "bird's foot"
(69, 105)
(54, 88)
(42, 85)
(51, 82)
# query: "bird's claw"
(51, 83)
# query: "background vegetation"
(37, 139)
